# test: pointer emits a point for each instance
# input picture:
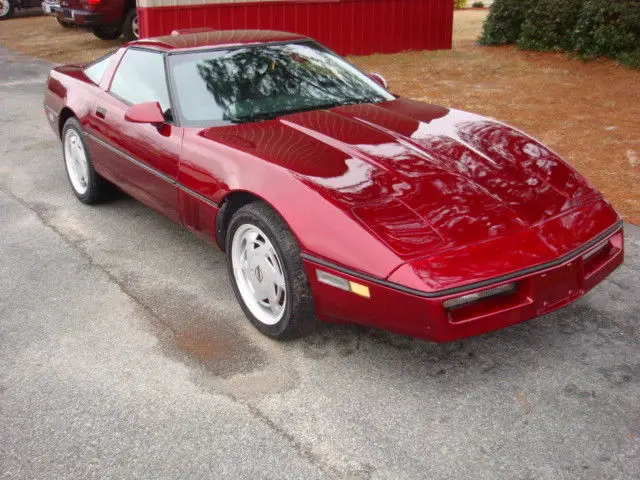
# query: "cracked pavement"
(123, 354)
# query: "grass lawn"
(587, 112)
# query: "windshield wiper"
(311, 108)
(272, 115)
(254, 118)
(354, 101)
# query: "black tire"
(10, 10)
(107, 33)
(299, 315)
(64, 24)
(98, 189)
(128, 31)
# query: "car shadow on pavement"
(580, 325)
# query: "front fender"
(321, 228)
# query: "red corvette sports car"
(333, 199)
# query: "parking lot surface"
(123, 354)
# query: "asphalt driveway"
(123, 354)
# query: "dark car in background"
(9, 7)
(107, 19)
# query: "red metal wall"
(358, 27)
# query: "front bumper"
(81, 18)
(397, 309)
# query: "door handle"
(101, 112)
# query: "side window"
(96, 70)
(140, 78)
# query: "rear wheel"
(6, 9)
(267, 274)
(107, 33)
(130, 26)
(85, 182)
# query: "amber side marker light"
(474, 297)
(343, 284)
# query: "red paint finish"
(402, 171)
(149, 112)
(420, 203)
(159, 148)
(426, 318)
(506, 254)
(216, 38)
(355, 27)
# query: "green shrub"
(477, 5)
(630, 59)
(504, 22)
(548, 23)
(609, 28)
(459, 3)
(590, 28)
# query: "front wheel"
(267, 274)
(6, 9)
(107, 33)
(130, 26)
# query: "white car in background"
(51, 7)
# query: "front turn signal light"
(343, 284)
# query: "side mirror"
(149, 112)
(379, 79)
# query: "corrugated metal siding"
(348, 26)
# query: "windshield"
(259, 82)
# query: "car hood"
(421, 178)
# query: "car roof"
(202, 38)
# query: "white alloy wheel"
(259, 274)
(76, 161)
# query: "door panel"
(140, 158)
